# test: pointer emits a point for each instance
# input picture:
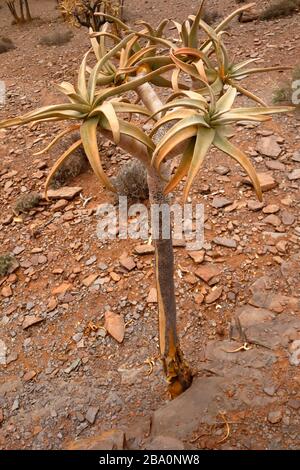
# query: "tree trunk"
(12, 9)
(22, 11)
(178, 374)
(28, 14)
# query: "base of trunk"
(178, 373)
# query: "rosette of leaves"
(202, 124)
(195, 59)
(93, 108)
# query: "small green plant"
(280, 9)
(6, 45)
(131, 181)
(56, 38)
(26, 202)
(8, 264)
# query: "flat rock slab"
(226, 242)
(144, 249)
(276, 302)
(269, 146)
(202, 403)
(66, 192)
(250, 316)
(294, 175)
(207, 272)
(266, 180)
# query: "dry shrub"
(280, 9)
(76, 164)
(131, 181)
(56, 38)
(26, 202)
(8, 264)
(6, 45)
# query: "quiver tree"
(193, 118)
(83, 12)
(23, 15)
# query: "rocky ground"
(62, 376)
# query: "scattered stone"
(65, 192)
(3, 351)
(294, 403)
(197, 256)
(266, 180)
(294, 175)
(275, 417)
(270, 390)
(52, 304)
(144, 249)
(271, 209)
(6, 291)
(219, 202)
(295, 353)
(29, 375)
(92, 414)
(59, 205)
(15, 405)
(115, 325)
(296, 156)
(207, 272)
(255, 205)
(214, 295)
(287, 218)
(272, 220)
(31, 320)
(62, 288)
(1, 416)
(91, 260)
(88, 281)
(275, 165)
(115, 276)
(222, 170)
(269, 147)
(152, 296)
(227, 242)
(73, 366)
(127, 262)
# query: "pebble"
(31, 320)
(152, 296)
(219, 202)
(214, 295)
(269, 147)
(227, 242)
(275, 417)
(65, 192)
(91, 414)
(127, 262)
(207, 272)
(88, 281)
(271, 209)
(144, 249)
(294, 175)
